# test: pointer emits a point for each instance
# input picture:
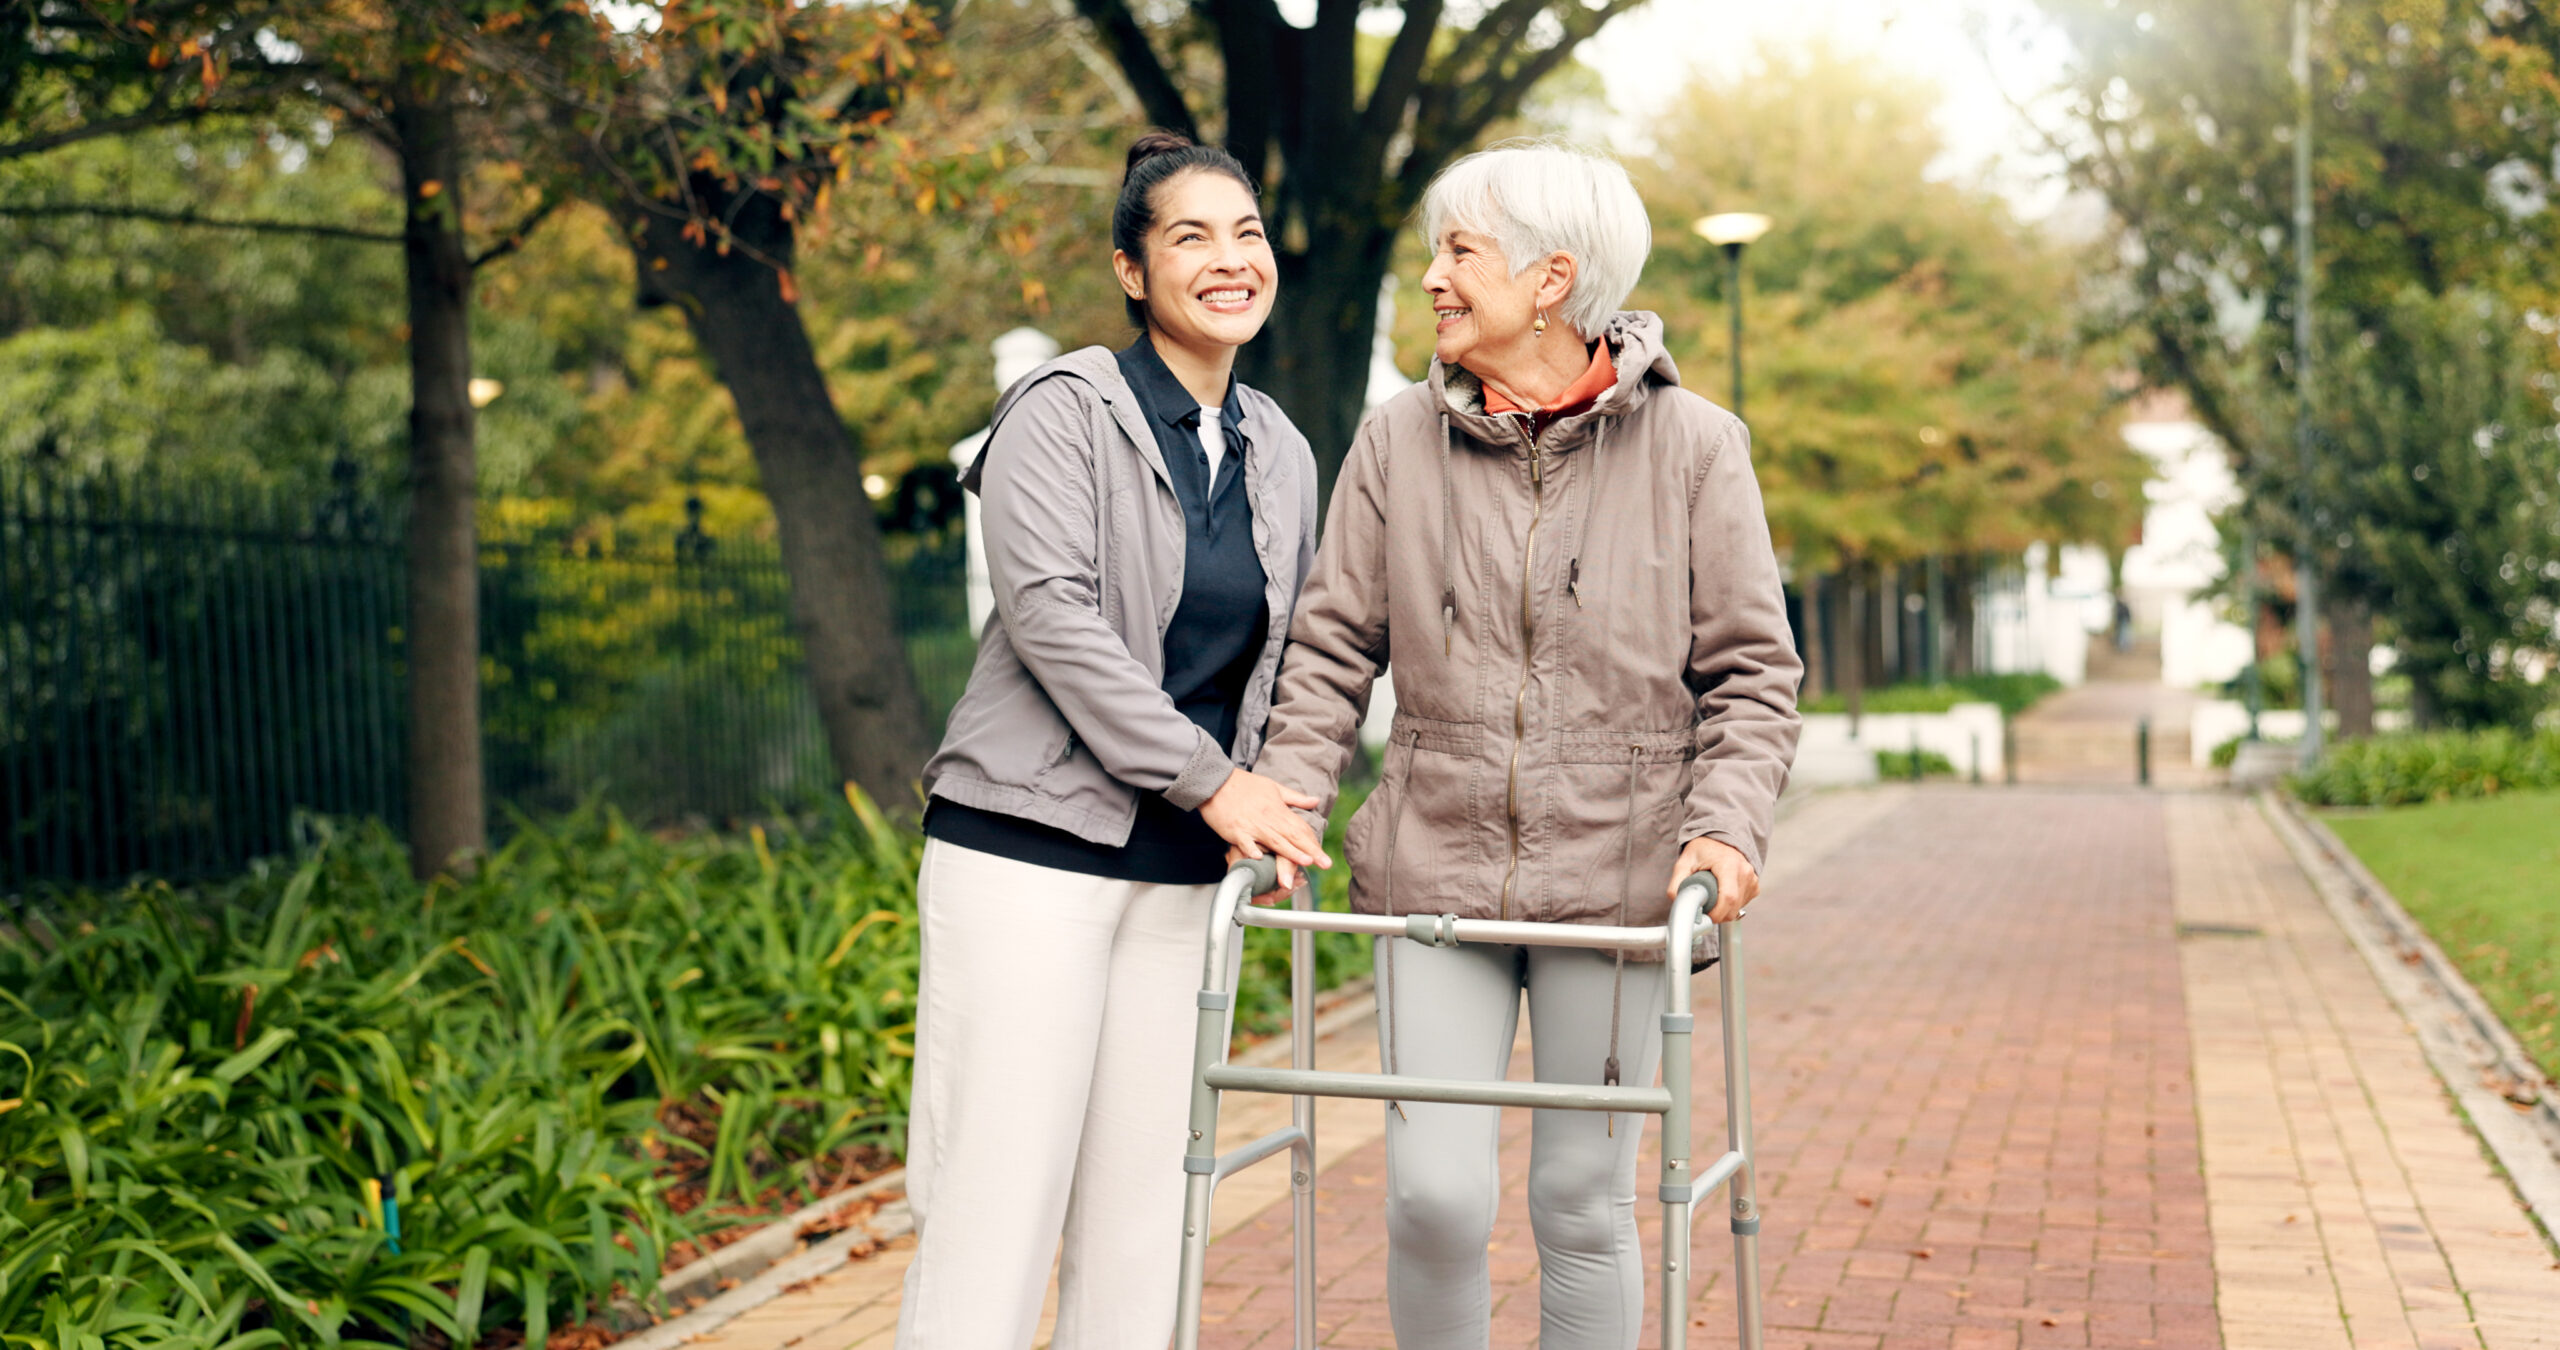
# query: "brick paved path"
(1976, 1117)
(2351, 1206)
(1977, 1044)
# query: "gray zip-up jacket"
(1590, 645)
(1065, 718)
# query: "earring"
(1539, 329)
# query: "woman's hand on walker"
(1737, 884)
(1258, 817)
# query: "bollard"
(1977, 759)
(2142, 751)
(2008, 752)
(1915, 752)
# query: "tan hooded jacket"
(1590, 645)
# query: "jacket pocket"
(1058, 754)
(1613, 818)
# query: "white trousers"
(1052, 1086)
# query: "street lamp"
(1730, 230)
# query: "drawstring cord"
(1626, 877)
(1448, 573)
(1399, 818)
(1395, 825)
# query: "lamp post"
(2306, 602)
(1730, 231)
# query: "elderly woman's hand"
(1737, 884)
(1257, 816)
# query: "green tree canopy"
(1917, 379)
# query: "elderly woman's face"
(1480, 307)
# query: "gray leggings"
(1450, 1013)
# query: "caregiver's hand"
(1736, 883)
(1259, 817)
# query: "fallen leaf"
(1922, 1252)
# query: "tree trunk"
(448, 816)
(1313, 356)
(1812, 645)
(843, 600)
(1875, 617)
(1961, 579)
(2351, 664)
(1853, 665)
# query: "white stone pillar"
(1017, 353)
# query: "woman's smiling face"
(1478, 305)
(1207, 279)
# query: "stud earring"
(1539, 329)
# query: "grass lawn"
(2483, 877)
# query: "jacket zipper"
(1528, 652)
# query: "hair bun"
(1155, 143)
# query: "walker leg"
(1302, 1113)
(1745, 1184)
(1678, 1176)
(1200, 1155)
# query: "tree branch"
(113, 126)
(1399, 77)
(514, 238)
(1490, 35)
(1251, 37)
(1504, 97)
(1127, 42)
(109, 211)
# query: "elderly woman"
(1564, 554)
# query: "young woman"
(1148, 523)
(1595, 691)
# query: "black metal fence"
(183, 669)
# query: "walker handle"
(1705, 881)
(1262, 875)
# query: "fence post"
(2142, 751)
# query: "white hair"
(1540, 198)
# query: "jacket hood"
(1635, 344)
(1096, 366)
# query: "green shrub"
(1897, 764)
(2015, 693)
(201, 1084)
(2431, 766)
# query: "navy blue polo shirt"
(1210, 649)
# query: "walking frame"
(1681, 1186)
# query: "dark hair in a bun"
(1156, 159)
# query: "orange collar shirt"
(1596, 379)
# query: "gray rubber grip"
(1697, 879)
(1264, 871)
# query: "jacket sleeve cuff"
(1738, 840)
(1201, 778)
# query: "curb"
(748, 1256)
(893, 1221)
(2470, 1049)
